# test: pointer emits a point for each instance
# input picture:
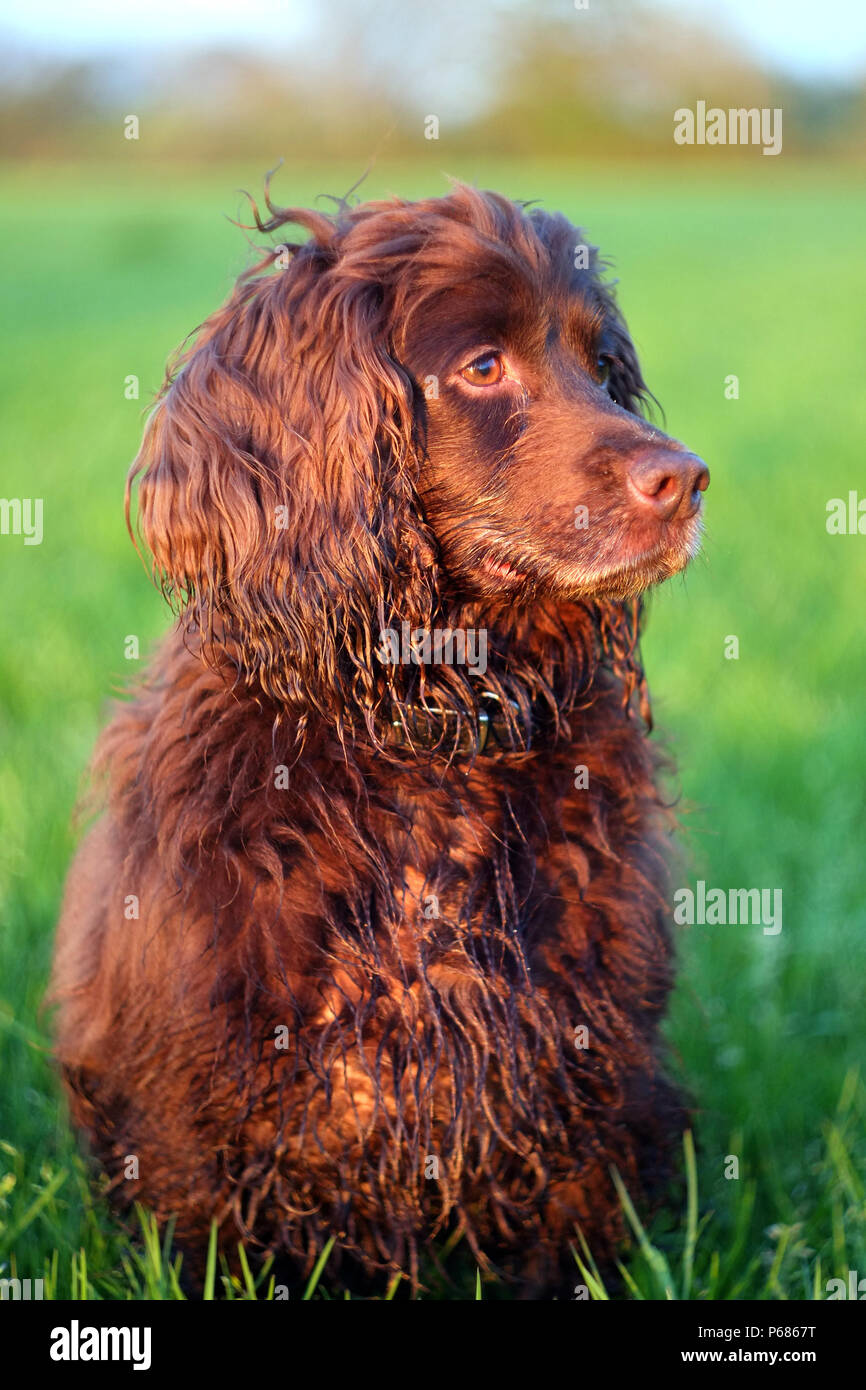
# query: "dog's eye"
(486, 370)
(602, 369)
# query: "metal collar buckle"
(424, 724)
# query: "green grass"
(760, 274)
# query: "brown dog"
(371, 939)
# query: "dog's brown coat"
(349, 1004)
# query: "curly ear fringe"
(277, 484)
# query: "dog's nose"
(669, 482)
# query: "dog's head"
(540, 476)
(420, 406)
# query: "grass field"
(758, 274)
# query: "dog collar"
(427, 726)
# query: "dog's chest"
(499, 883)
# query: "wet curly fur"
(316, 978)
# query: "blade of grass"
(654, 1258)
(249, 1281)
(691, 1213)
(211, 1265)
(317, 1272)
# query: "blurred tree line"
(526, 78)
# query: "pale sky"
(810, 38)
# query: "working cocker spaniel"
(371, 938)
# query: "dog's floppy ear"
(277, 479)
